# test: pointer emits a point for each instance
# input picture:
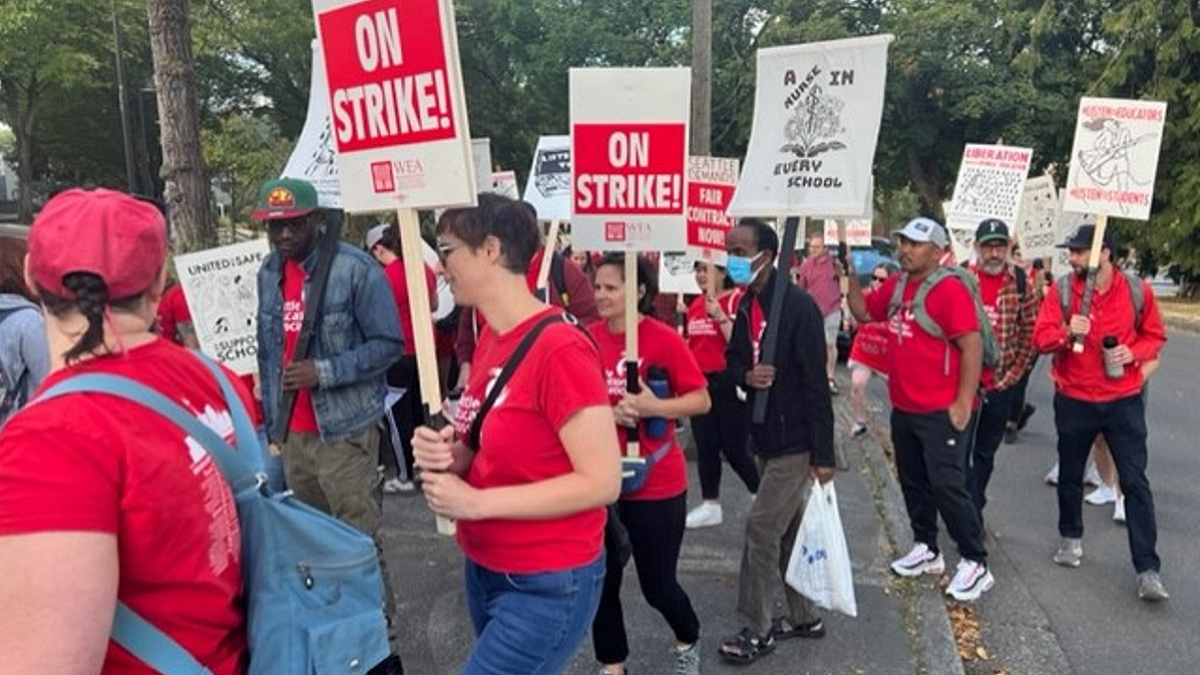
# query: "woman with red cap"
(101, 502)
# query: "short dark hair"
(12, 266)
(510, 221)
(647, 276)
(765, 237)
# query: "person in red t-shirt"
(933, 384)
(655, 514)
(1090, 400)
(383, 243)
(530, 499)
(868, 355)
(725, 427)
(175, 319)
(99, 500)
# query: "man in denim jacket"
(329, 456)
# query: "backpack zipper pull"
(306, 576)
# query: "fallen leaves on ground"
(967, 636)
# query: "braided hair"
(90, 298)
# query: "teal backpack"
(991, 348)
(313, 587)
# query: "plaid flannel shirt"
(1014, 328)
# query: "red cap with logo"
(118, 238)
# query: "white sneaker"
(1119, 510)
(920, 560)
(858, 429)
(1105, 494)
(708, 514)
(394, 485)
(971, 580)
(1052, 475)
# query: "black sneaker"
(1011, 434)
(1026, 413)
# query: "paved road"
(1042, 618)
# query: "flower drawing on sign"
(815, 125)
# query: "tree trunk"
(926, 185)
(185, 188)
(19, 99)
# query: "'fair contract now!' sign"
(629, 138)
(397, 111)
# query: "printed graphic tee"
(923, 369)
(96, 463)
(304, 417)
(519, 444)
(658, 345)
(704, 336)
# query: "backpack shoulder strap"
(1022, 281)
(558, 274)
(940, 273)
(506, 373)
(897, 294)
(152, 646)
(1063, 282)
(1137, 295)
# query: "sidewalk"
(902, 626)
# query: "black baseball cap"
(991, 229)
(1081, 237)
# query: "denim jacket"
(358, 338)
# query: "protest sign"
(817, 109)
(676, 273)
(711, 182)
(629, 139)
(505, 183)
(221, 288)
(991, 180)
(481, 157)
(549, 186)
(312, 159)
(399, 121)
(1115, 157)
(1037, 226)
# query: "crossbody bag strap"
(510, 366)
(152, 646)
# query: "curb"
(931, 636)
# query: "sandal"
(746, 647)
(784, 629)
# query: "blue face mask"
(740, 268)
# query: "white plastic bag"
(819, 567)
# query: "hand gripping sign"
(397, 110)
(629, 138)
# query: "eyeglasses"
(444, 250)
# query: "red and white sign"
(1115, 157)
(711, 182)
(397, 111)
(629, 138)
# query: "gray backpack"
(1137, 295)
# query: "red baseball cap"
(118, 238)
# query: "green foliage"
(240, 153)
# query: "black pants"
(406, 414)
(656, 533)
(989, 433)
(725, 427)
(1017, 403)
(1123, 423)
(931, 460)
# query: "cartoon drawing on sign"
(552, 171)
(322, 165)
(985, 189)
(814, 124)
(1107, 162)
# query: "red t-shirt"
(870, 346)
(172, 311)
(704, 336)
(658, 345)
(519, 444)
(924, 369)
(304, 417)
(96, 463)
(990, 286)
(394, 271)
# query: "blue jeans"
(530, 624)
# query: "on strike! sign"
(629, 141)
(396, 102)
(711, 182)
